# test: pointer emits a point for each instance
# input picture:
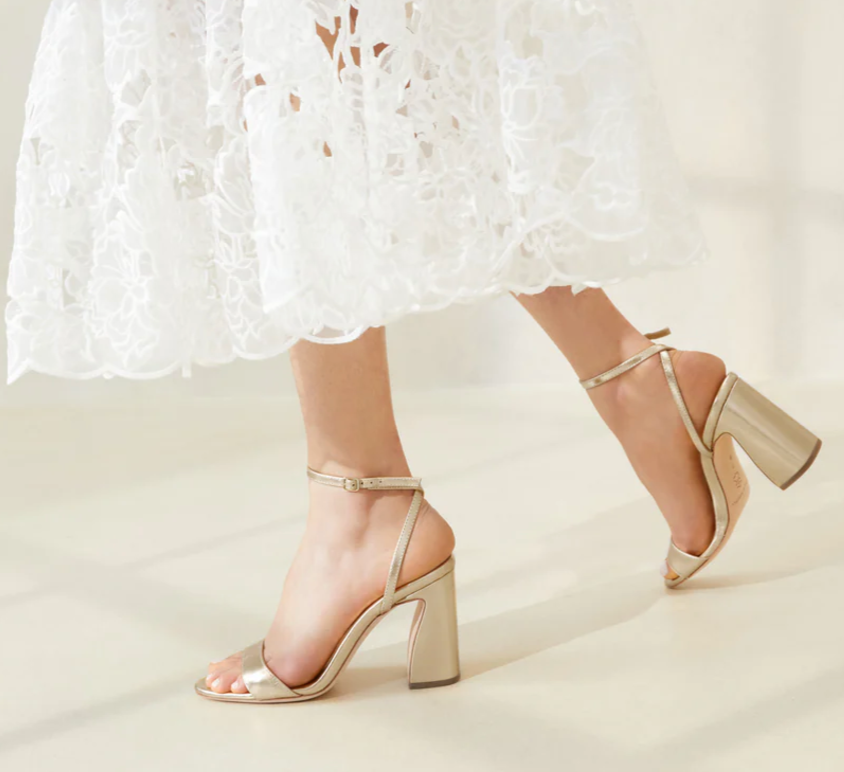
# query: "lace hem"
(186, 367)
(226, 178)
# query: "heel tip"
(805, 467)
(432, 684)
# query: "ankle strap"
(629, 364)
(355, 484)
(671, 377)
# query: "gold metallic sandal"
(432, 656)
(781, 448)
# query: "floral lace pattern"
(201, 180)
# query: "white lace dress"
(202, 179)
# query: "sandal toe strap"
(682, 563)
(261, 682)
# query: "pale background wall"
(754, 91)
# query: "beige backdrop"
(754, 91)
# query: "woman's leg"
(594, 336)
(343, 560)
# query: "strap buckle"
(355, 484)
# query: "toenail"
(216, 683)
(664, 569)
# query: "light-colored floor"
(137, 544)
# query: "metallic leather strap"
(681, 404)
(637, 359)
(682, 563)
(670, 375)
(261, 682)
(354, 484)
(400, 552)
(628, 364)
(663, 333)
(383, 484)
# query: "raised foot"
(640, 410)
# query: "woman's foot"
(639, 409)
(340, 569)
(594, 336)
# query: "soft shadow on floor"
(55, 455)
(492, 643)
(69, 720)
(769, 716)
(797, 545)
(486, 644)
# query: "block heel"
(433, 657)
(782, 448)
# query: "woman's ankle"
(622, 400)
(361, 510)
(385, 461)
(368, 523)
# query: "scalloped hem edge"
(497, 290)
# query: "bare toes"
(223, 683)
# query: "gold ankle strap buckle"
(355, 484)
